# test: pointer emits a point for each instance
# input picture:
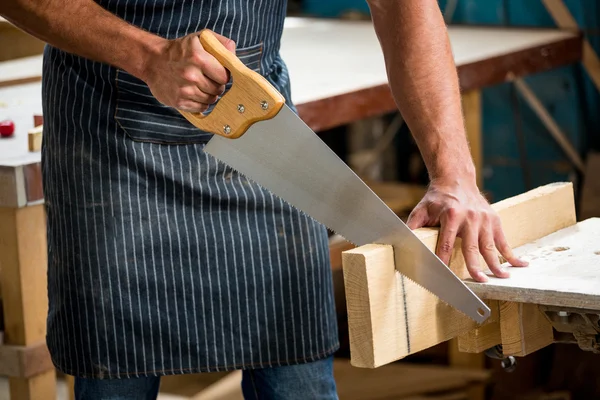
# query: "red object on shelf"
(7, 128)
(38, 120)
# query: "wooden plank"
(524, 329)
(337, 245)
(226, 388)
(24, 283)
(589, 205)
(23, 259)
(375, 318)
(39, 387)
(458, 395)
(70, 383)
(390, 317)
(17, 43)
(24, 361)
(471, 104)
(563, 18)
(485, 336)
(12, 187)
(562, 271)
(400, 380)
(20, 71)
(34, 137)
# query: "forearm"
(424, 82)
(84, 28)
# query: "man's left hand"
(463, 212)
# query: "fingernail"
(481, 276)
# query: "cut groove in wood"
(383, 328)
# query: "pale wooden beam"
(34, 138)
(23, 280)
(390, 317)
(471, 104)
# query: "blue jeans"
(303, 381)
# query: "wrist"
(147, 49)
(458, 173)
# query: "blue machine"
(567, 93)
(333, 8)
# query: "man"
(163, 260)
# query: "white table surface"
(328, 58)
(325, 58)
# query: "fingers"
(488, 250)
(418, 217)
(213, 70)
(228, 43)
(208, 86)
(450, 223)
(211, 67)
(191, 106)
(470, 249)
(503, 247)
(193, 93)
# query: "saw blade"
(286, 157)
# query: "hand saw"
(258, 135)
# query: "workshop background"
(519, 152)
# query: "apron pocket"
(145, 119)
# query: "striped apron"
(161, 259)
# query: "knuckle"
(446, 247)
(489, 246)
(473, 215)
(190, 75)
(486, 216)
(452, 213)
(471, 248)
(496, 220)
(186, 92)
(199, 59)
(205, 98)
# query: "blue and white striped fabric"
(161, 259)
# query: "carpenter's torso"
(161, 259)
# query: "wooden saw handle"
(251, 97)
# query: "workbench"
(554, 299)
(338, 77)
